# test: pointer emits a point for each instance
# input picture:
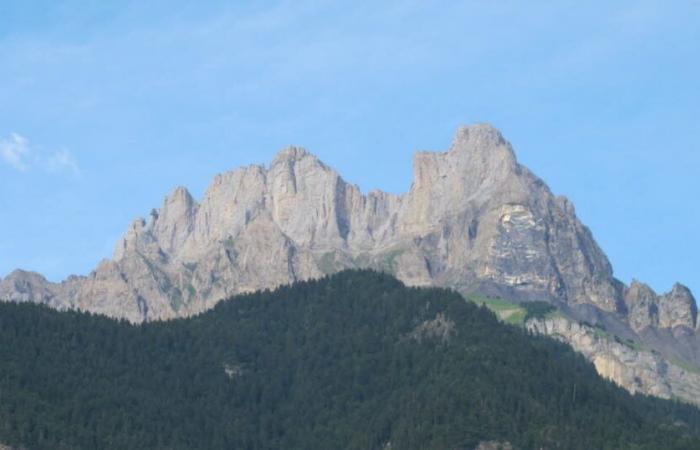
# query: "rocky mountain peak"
(638, 291)
(645, 308)
(479, 136)
(482, 147)
(174, 221)
(473, 220)
(642, 305)
(179, 195)
(21, 286)
(678, 308)
(291, 153)
(478, 162)
(682, 290)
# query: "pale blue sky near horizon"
(107, 106)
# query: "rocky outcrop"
(625, 362)
(678, 308)
(473, 219)
(440, 328)
(647, 309)
(22, 286)
(642, 306)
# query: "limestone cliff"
(474, 219)
(625, 362)
(647, 309)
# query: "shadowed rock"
(473, 219)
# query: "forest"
(355, 360)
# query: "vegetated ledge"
(627, 363)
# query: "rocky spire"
(130, 241)
(474, 219)
(175, 220)
(482, 144)
(25, 286)
(478, 163)
(678, 308)
(291, 153)
(642, 306)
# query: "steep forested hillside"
(353, 361)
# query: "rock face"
(626, 363)
(674, 309)
(474, 220)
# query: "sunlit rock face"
(474, 219)
(633, 366)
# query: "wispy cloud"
(17, 152)
(61, 161)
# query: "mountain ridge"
(473, 219)
(480, 149)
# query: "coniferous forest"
(353, 361)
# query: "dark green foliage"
(537, 310)
(320, 365)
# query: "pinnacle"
(680, 289)
(482, 134)
(482, 142)
(180, 191)
(290, 153)
(179, 194)
(637, 283)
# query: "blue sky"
(106, 106)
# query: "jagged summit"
(482, 147)
(180, 192)
(479, 166)
(291, 153)
(25, 286)
(647, 309)
(472, 220)
(477, 136)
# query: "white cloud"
(17, 152)
(62, 160)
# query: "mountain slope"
(356, 360)
(473, 220)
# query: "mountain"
(355, 361)
(474, 220)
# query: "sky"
(106, 106)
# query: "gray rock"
(678, 308)
(642, 306)
(674, 309)
(627, 363)
(473, 220)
